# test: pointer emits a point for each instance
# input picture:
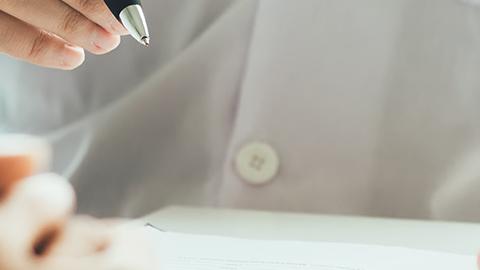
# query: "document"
(178, 251)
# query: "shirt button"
(257, 163)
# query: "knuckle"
(7, 36)
(98, 9)
(89, 6)
(39, 45)
(71, 21)
(4, 3)
(11, 4)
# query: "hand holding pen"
(55, 33)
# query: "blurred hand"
(37, 230)
(53, 33)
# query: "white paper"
(195, 252)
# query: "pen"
(130, 14)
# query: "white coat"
(346, 107)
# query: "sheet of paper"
(196, 252)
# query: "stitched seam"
(237, 101)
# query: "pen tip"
(146, 41)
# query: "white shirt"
(348, 107)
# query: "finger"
(32, 219)
(130, 249)
(83, 236)
(57, 17)
(125, 248)
(36, 46)
(98, 12)
(20, 156)
(78, 248)
(63, 263)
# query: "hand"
(53, 33)
(37, 230)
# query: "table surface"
(461, 238)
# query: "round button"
(257, 163)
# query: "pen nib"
(146, 41)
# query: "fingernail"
(105, 42)
(72, 57)
(118, 29)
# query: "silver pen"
(130, 14)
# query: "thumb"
(20, 157)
